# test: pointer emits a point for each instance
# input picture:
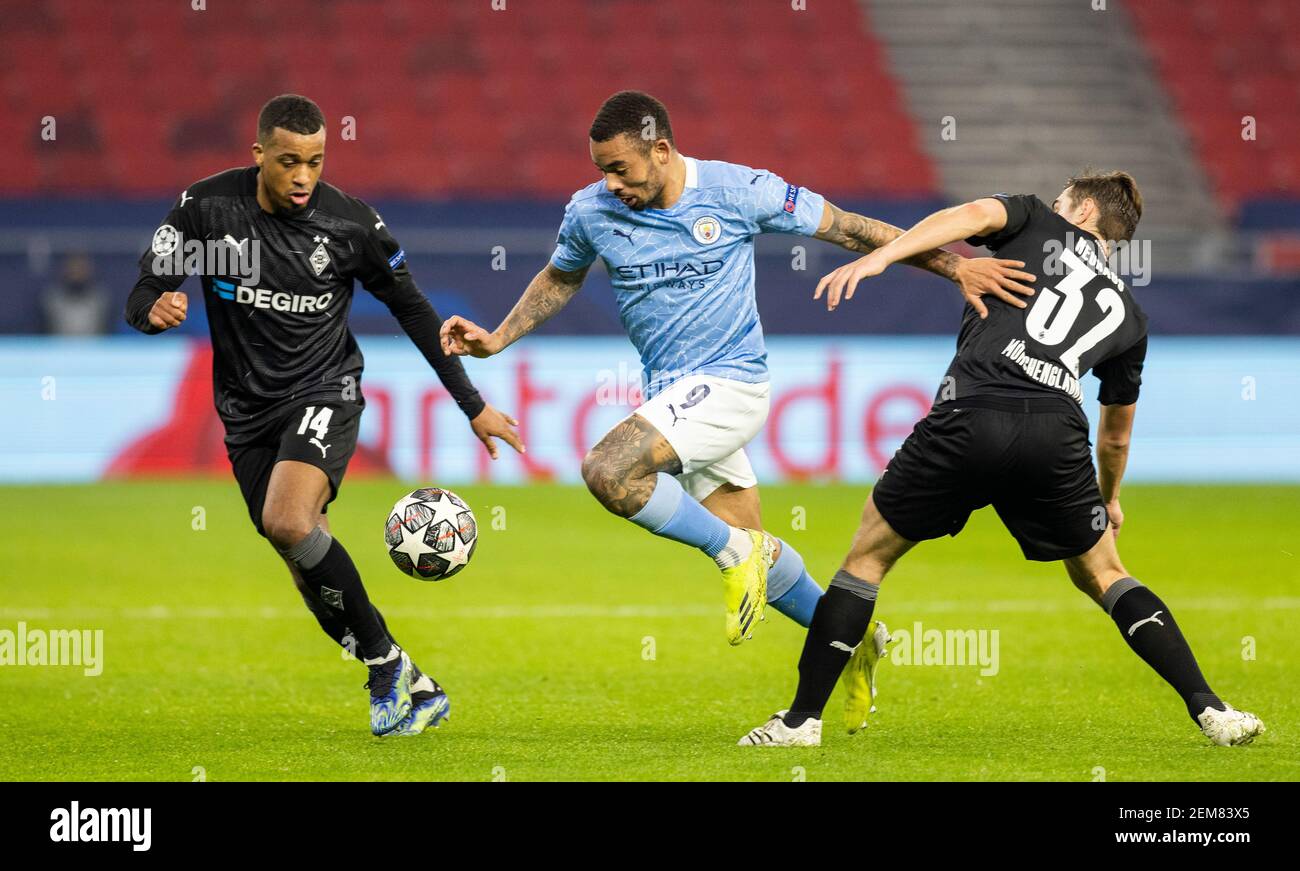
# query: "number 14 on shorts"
(319, 423)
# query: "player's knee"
(621, 492)
(600, 478)
(284, 529)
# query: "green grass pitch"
(578, 647)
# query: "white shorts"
(708, 421)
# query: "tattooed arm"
(548, 292)
(864, 235)
(974, 277)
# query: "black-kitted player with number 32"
(1007, 429)
(287, 370)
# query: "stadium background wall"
(1212, 409)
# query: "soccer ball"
(430, 534)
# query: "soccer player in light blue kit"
(677, 238)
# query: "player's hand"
(461, 336)
(844, 281)
(492, 423)
(169, 311)
(1116, 515)
(983, 276)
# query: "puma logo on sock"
(1151, 619)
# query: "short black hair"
(636, 114)
(291, 112)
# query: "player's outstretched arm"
(862, 234)
(975, 277)
(548, 292)
(1114, 429)
(394, 286)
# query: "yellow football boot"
(859, 676)
(744, 588)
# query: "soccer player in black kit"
(287, 370)
(1007, 429)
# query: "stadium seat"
(1221, 64)
(440, 92)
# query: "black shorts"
(1028, 458)
(322, 433)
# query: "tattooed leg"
(622, 469)
(631, 472)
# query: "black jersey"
(279, 315)
(1082, 317)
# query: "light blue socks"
(673, 513)
(790, 589)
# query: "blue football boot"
(390, 693)
(429, 705)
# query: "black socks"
(331, 576)
(1149, 628)
(333, 624)
(840, 623)
(838, 626)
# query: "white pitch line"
(603, 611)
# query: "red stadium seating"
(1222, 62)
(449, 98)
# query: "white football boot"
(1231, 727)
(775, 733)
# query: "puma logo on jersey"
(627, 235)
(1151, 619)
(238, 246)
(315, 441)
(185, 197)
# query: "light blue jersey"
(684, 276)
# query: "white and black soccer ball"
(430, 534)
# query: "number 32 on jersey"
(1056, 310)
